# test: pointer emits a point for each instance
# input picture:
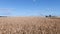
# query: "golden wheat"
(29, 25)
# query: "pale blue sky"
(29, 7)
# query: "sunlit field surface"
(29, 25)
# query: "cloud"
(34, 0)
(6, 11)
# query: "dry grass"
(29, 25)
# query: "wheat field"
(29, 25)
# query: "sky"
(29, 7)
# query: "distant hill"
(3, 16)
